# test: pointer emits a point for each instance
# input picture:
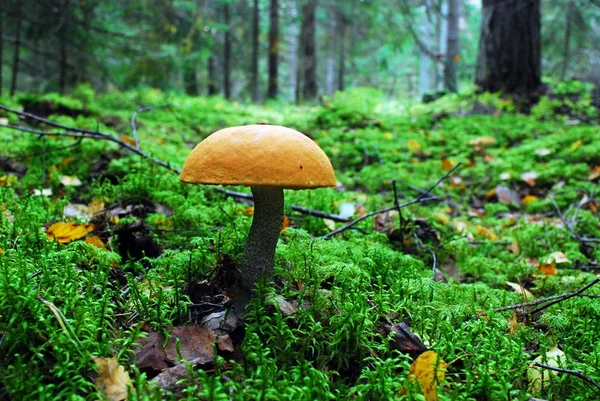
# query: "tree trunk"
(453, 47)
(273, 49)
(227, 54)
(442, 43)
(212, 87)
(341, 72)
(292, 51)
(509, 58)
(190, 80)
(63, 36)
(425, 84)
(310, 49)
(1, 43)
(255, 34)
(330, 84)
(567, 42)
(17, 51)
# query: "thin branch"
(576, 373)
(567, 296)
(140, 111)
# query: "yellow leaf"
(430, 371)
(113, 381)
(67, 232)
(1, 251)
(576, 145)
(95, 206)
(96, 241)
(529, 199)
(65, 162)
(285, 223)
(442, 217)
(456, 57)
(447, 164)
(413, 146)
(488, 233)
(128, 140)
(389, 135)
(490, 194)
(514, 324)
(249, 211)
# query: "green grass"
(349, 286)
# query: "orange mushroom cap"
(261, 156)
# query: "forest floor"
(472, 273)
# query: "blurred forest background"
(252, 50)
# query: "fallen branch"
(135, 114)
(83, 133)
(551, 300)
(420, 199)
(575, 373)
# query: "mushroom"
(267, 158)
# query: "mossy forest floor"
(149, 263)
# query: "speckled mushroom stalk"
(259, 253)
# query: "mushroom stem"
(259, 253)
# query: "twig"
(567, 296)
(576, 373)
(82, 133)
(140, 111)
(420, 199)
(553, 300)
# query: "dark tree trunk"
(453, 47)
(17, 51)
(1, 43)
(341, 72)
(567, 42)
(255, 34)
(190, 80)
(62, 38)
(310, 48)
(509, 58)
(273, 49)
(212, 87)
(227, 54)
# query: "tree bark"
(453, 47)
(509, 58)
(273, 50)
(567, 41)
(17, 51)
(442, 43)
(425, 84)
(341, 72)
(227, 54)
(1, 43)
(212, 87)
(255, 50)
(332, 43)
(310, 49)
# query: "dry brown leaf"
(507, 196)
(482, 141)
(514, 323)
(447, 164)
(559, 257)
(113, 381)
(430, 371)
(548, 269)
(195, 343)
(67, 232)
(529, 177)
(594, 173)
(128, 140)
(527, 295)
(487, 232)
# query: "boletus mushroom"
(268, 159)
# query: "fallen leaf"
(195, 343)
(514, 247)
(576, 145)
(43, 192)
(413, 146)
(430, 371)
(548, 269)
(404, 340)
(527, 295)
(529, 199)
(150, 356)
(70, 181)
(389, 135)
(559, 257)
(487, 232)
(482, 142)
(95, 241)
(507, 196)
(442, 217)
(505, 176)
(67, 232)
(529, 177)
(249, 211)
(128, 140)
(514, 324)
(539, 377)
(447, 164)
(594, 173)
(3, 121)
(330, 224)
(285, 223)
(543, 151)
(112, 381)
